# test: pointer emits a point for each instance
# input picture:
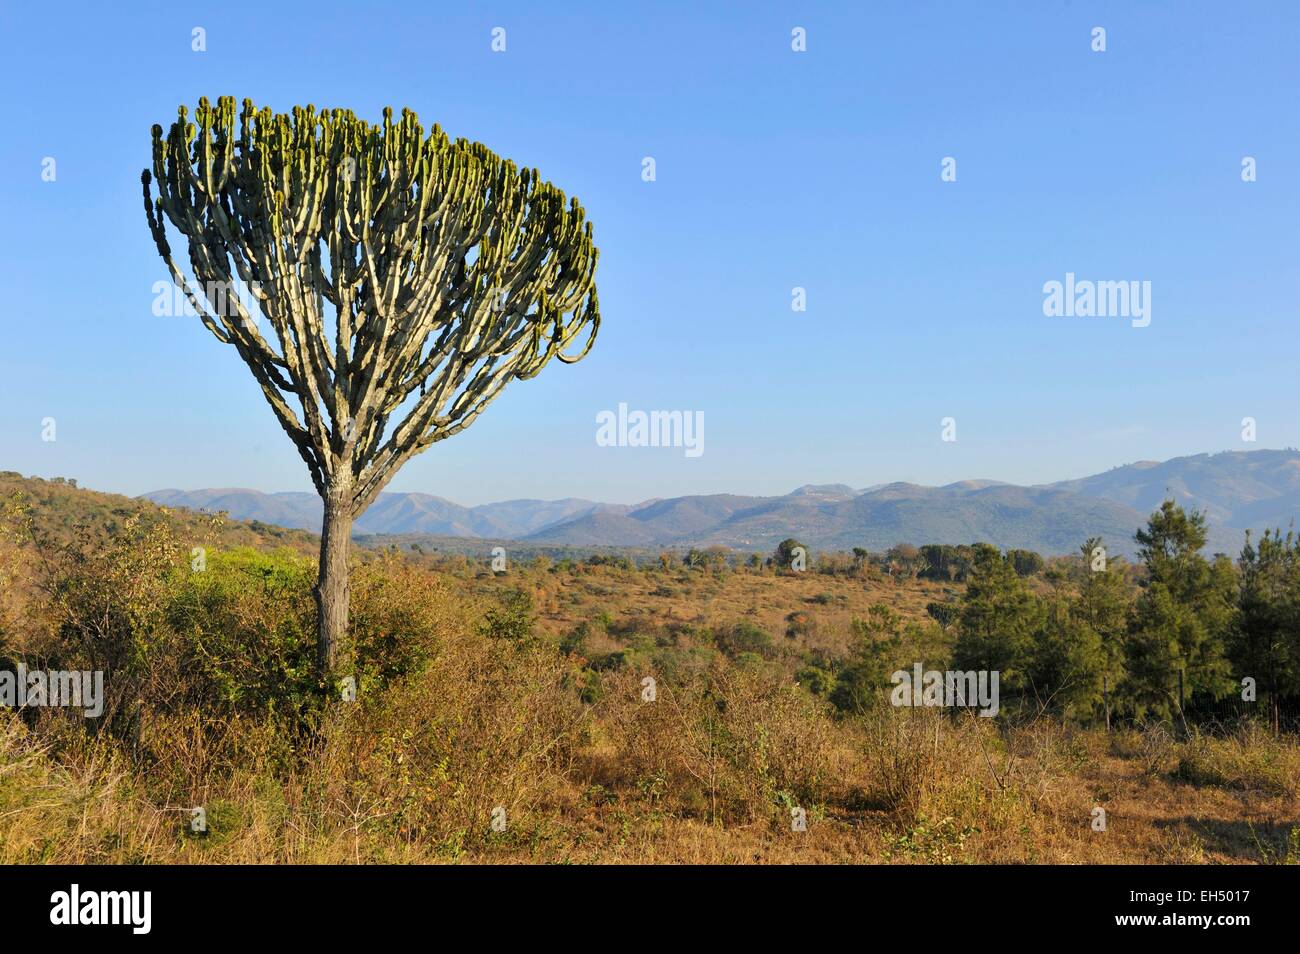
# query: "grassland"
(524, 691)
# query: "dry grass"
(414, 776)
(651, 601)
(453, 724)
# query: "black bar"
(337, 905)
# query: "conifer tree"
(1182, 615)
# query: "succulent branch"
(447, 271)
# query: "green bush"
(243, 633)
(511, 620)
(745, 637)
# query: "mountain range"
(1237, 490)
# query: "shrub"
(484, 724)
(1025, 562)
(727, 744)
(745, 637)
(1248, 760)
(511, 620)
(797, 624)
(241, 635)
(945, 614)
(787, 552)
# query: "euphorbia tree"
(402, 280)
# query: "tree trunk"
(1105, 698)
(332, 589)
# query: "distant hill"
(1050, 521)
(1237, 490)
(391, 513)
(1043, 520)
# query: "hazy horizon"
(857, 487)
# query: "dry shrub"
(449, 726)
(484, 724)
(902, 758)
(916, 757)
(400, 615)
(79, 810)
(962, 788)
(728, 744)
(1150, 744)
(1250, 759)
(188, 754)
(1044, 752)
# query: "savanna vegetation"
(525, 690)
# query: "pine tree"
(1066, 663)
(1102, 607)
(875, 638)
(999, 618)
(1182, 616)
(1265, 642)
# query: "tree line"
(1099, 640)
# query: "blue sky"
(775, 169)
